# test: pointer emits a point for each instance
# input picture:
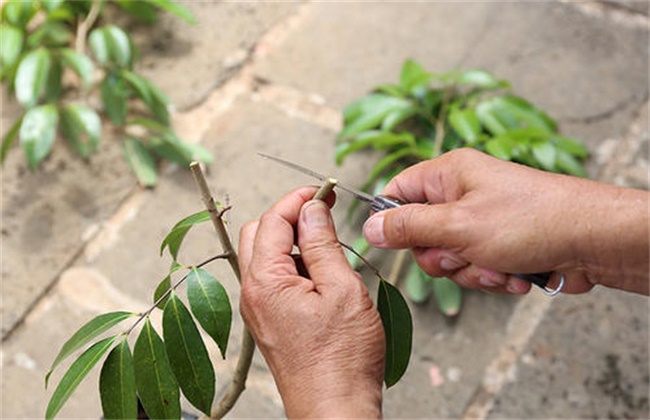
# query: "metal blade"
(360, 195)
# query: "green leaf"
(164, 286)
(115, 96)
(86, 333)
(82, 128)
(53, 86)
(155, 100)
(50, 34)
(77, 372)
(395, 118)
(481, 79)
(413, 75)
(210, 305)
(418, 286)
(175, 237)
(529, 115)
(398, 328)
(31, 76)
(37, 133)
(51, 5)
(569, 164)
(119, 45)
(19, 13)
(140, 9)
(154, 378)
(570, 146)
(378, 139)
(369, 112)
(188, 356)
(79, 63)
(448, 295)
(11, 44)
(485, 111)
(544, 153)
(9, 139)
(141, 162)
(111, 44)
(99, 45)
(466, 123)
(175, 9)
(361, 247)
(117, 384)
(385, 164)
(501, 147)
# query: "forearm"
(615, 248)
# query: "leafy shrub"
(427, 114)
(42, 43)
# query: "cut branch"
(238, 383)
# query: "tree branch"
(238, 383)
(86, 24)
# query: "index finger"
(433, 181)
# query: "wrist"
(335, 399)
(617, 247)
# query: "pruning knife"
(381, 202)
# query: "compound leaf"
(78, 370)
(154, 378)
(164, 286)
(544, 153)
(86, 333)
(31, 76)
(117, 384)
(210, 305)
(37, 133)
(189, 358)
(369, 112)
(398, 328)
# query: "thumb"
(319, 247)
(413, 225)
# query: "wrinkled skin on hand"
(475, 218)
(320, 335)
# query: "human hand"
(480, 218)
(321, 336)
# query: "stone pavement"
(79, 239)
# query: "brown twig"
(86, 24)
(238, 383)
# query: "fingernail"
(450, 264)
(487, 282)
(515, 286)
(373, 230)
(315, 214)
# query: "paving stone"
(587, 359)
(49, 213)
(188, 61)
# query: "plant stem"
(86, 24)
(372, 268)
(440, 122)
(238, 383)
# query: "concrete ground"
(80, 238)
